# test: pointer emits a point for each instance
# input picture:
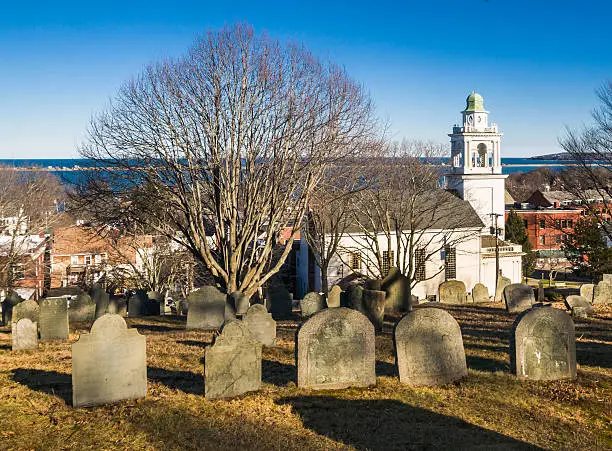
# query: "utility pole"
(495, 230)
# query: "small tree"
(586, 249)
(516, 232)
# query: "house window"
(98, 259)
(526, 223)
(558, 239)
(542, 224)
(450, 268)
(88, 259)
(74, 259)
(557, 223)
(570, 223)
(542, 239)
(18, 272)
(355, 260)
(387, 261)
(564, 224)
(419, 262)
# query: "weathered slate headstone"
(607, 278)
(206, 308)
(24, 334)
(519, 297)
(373, 284)
(397, 288)
(502, 283)
(543, 345)
(573, 301)
(137, 304)
(311, 304)
(240, 302)
(374, 307)
(82, 308)
(586, 291)
(26, 309)
(109, 364)
(429, 348)
(155, 303)
(452, 291)
(480, 293)
(101, 298)
(261, 325)
(10, 301)
(334, 297)
(232, 365)
(541, 296)
(280, 302)
(354, 296)
(53, 319)
(335, 349)
(602, 293)
(579, 312)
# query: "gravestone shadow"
(185, 381)
(277, 373)
(593, 354)
(486, 364)
(5, 347)
(385, 369)
(50, 382)
(199, 344)
(391, 424)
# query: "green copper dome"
(475, 102)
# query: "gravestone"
(109, 364)
(137, 304)
(101, 298)
(240, 302)
(280, 302)
(26, 309)
(586, 291)
(311, 304)
(573, 301)
(480, 293)
(81, 308)
(24, 334)
(10, 301)
(429, 348)
(602, 293)
(397, 289)
(334, 297)
(373, 284)
(335, 349)
(354, 296)
(543, 345)
(541, 297)
(155, 305)
(502, 283)
(579, 312)
(206, 308)
(53, 319)
(469, 298)
(607, 278)
(261, 325)
(452, 292)
(374, 307)
(232, 365)
(519, 297)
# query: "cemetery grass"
(488, 409)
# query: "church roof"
(474, 102)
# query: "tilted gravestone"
(452, 291)
(10, 301)
(206, 308)
(82, 308)
(543, 345)
(101, 298)
(232, 365)
(311, 304)
(53, 320)
(24, 334)
(480, 293)
(586, 291)
(602, 293)
(280, 302)
(354, 297)
(335, 349)
(519, 297)
(240, 302)
(334, 297)
(502, 283)
(109, 364)
(397, 289)
(429, 348)
(26, 309)
(579, 312)
(137, 304)
(374, 307)
(573, 301)
(261, 325)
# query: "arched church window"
(482, 155)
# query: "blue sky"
(537, 63)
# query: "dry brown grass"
(489, 409)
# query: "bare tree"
(221, 150)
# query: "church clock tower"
(476, 172)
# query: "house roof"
(22, 244)
(563, 196)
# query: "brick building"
(24, 260)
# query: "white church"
(476, 180)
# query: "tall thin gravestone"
(397, 288)
(137, 304)
(109, 364)
(53, 319)
(10, 301)
(374, 307)
(586, 291)
(24, 334)
(101, 298)
(333, 297)
(502, 283)
(232, 365)
(279, 302)
(82, 308)
(335, 349)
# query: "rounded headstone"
(207, 309)
(519, 297)
(240, 301)
(26, 309)
(354, 295)
(452, 291)
(279, 302)
(24, 334)
(261, 325)
(311, 304)
(586, 291)
(334, 297)
(502, 283)
(480, 293)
